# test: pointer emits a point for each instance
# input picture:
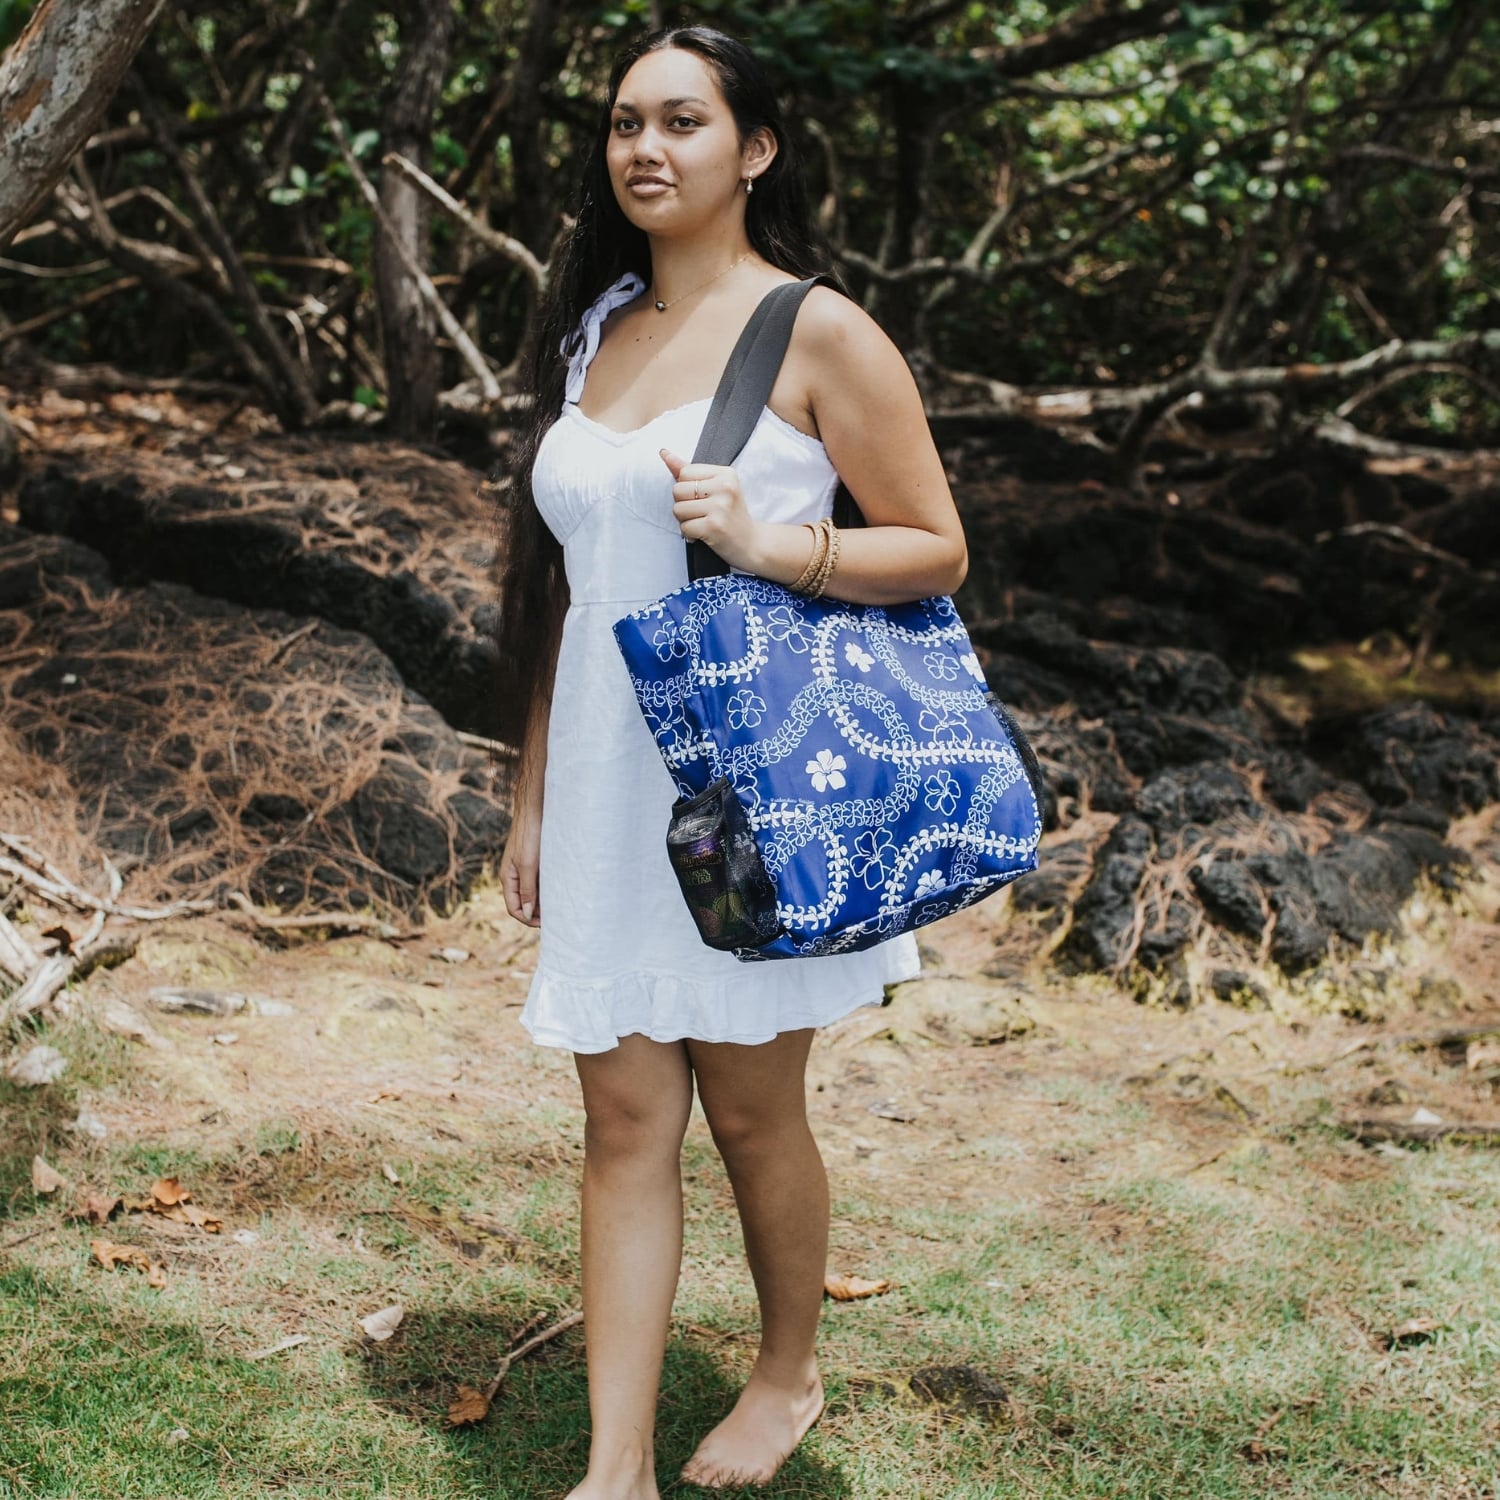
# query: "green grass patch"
(1227, 1333)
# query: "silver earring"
(749, 184)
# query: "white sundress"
(618, 953)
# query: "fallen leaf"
(156, 1275)
(469, 1405)
(97, 1208)
(187, 1213)
(167, 1191)
(44, 1179)
(382, 1324)
(389, 1173)
(1424, 1116)
(452, 955)
(109, 1255)
(848, 1288)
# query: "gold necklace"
(663, 306)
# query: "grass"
(1161, 1332)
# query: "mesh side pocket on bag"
(1032, 765)
(718, 866)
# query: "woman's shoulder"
(836, 334)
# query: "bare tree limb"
(451, 326)
(300, 401)
(89, 217)
(493, 239)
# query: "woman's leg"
(755, 1102)
(637, 1098)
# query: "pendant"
(661, 307)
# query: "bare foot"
(758, 1436)
(616, 1483)
(593, 1489)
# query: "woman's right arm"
(520, 864)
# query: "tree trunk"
(408, 325)
(55, 82)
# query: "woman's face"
(671, 123)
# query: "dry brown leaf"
(849, 1288)
(382, 1324)
(168, 1191)
(469, 1405)
(109, 1255)
(156, 1275)
(97, 1208)
(188, 1213)
(44, 1178)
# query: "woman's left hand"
(709, 507)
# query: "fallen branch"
(37, 874)
(472, 1405)
(338, 921)
(55, 972)
(1372, 1132)
(16, 957)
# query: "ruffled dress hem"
(673, 1007)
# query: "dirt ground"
(983, 1064)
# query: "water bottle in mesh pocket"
(718, 865)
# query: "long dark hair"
(602, 246)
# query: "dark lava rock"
(1235, 987)
(209, 748)
(376, 538)
(1104, 915)
(1410, 755)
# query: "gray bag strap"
(741, 397)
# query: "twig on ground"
(572, 1320)
(340, 921)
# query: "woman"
(692, 209)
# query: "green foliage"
(1134, 173)
(14, 15)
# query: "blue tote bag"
(844, 772)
